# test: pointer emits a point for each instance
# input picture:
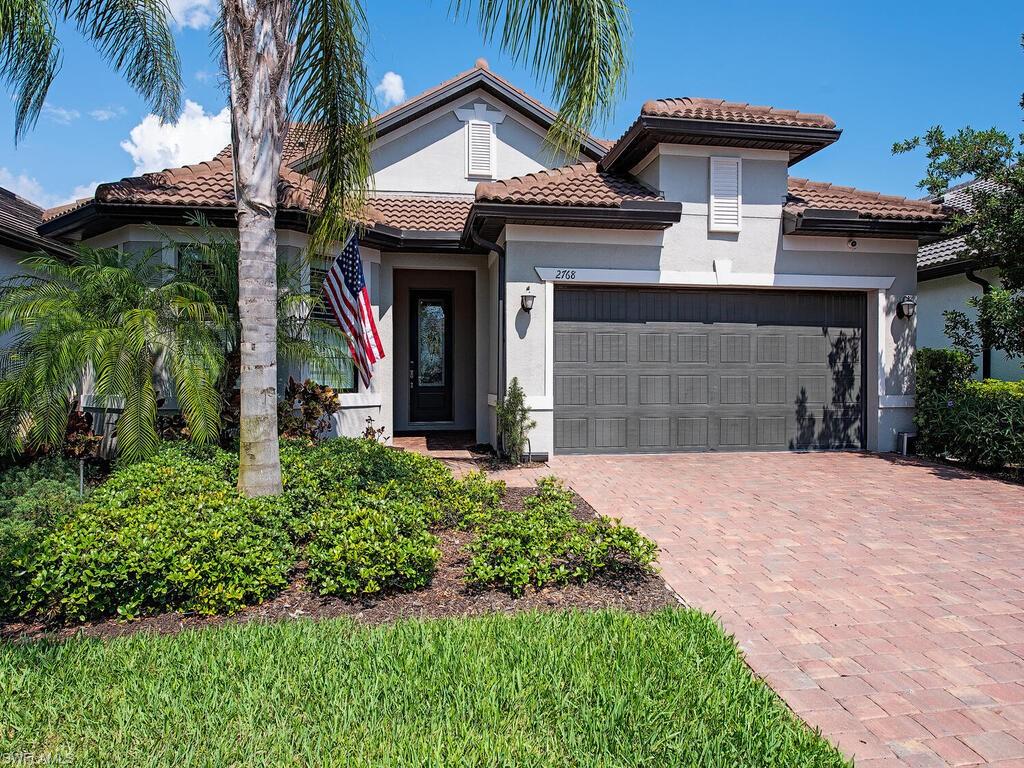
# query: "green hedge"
(980, 423)
(545, 544)
(168, 533)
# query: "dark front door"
(430, 366)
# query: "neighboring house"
(19, 235)
(947, 276)
(673, 290)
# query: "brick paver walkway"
(883, 599)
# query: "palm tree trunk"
(258, 58)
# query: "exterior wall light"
(906, 308)
(526, 302)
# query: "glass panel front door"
(430, 366)
(432, 320)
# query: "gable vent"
(480, 149)
(725, 204)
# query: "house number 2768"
(565, 274)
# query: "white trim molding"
(895, 401)
(721, 277)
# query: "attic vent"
(480, 149)
(724, 206)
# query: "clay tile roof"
(439, 214)
(804, 194)
(19, 223)
(580, 184)
(733, 112)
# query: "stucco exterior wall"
(936, 296)
(429, 155)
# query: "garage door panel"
(700, 370)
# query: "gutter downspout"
(500, 250)
(986, 348)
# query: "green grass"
(564, 689)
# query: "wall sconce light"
(906, 308)
(526, 302)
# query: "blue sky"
(883, 70)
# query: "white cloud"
(195, 136)
(203, 76)
(60, 115)
(391, 89)
(192, 14)
(29, 187)
(106, 113)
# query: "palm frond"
(330, 103)
(135, 37)
(579, 46)
(29, 57)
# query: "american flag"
(349, 300)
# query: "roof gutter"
(986, 346)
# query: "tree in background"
(303, 62)
(992, 225)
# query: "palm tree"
(133, 329)
(119, 320)
(302, 62)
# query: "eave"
(647, 132)
(849, 224)
(488, 219)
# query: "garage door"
(650, 370)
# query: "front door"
(430, 366)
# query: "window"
(480, 149)
(346, 381)
(726, 198)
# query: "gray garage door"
(650, 370)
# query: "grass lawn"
(559, 689)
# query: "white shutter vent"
(480, 149)
(724, 207)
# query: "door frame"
(444, 295)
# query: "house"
(19, 236)
(947, 276)
(674, 290)
(19, 232)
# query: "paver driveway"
(883, 599)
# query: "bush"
(368, 545)
(938, 370)
(169, 533)
(546, 544)
(981, 423)
(15, 481)
(24, 524)
(346, 467)
(514, 422)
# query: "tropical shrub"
(980, 423)
(16, 480)
(345, 467)
(306, 409)
(546, 544)
(25, 521)
(169, 533)
(366, 544)
(514, 422)
(939, 370)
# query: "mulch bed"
(446, 597)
